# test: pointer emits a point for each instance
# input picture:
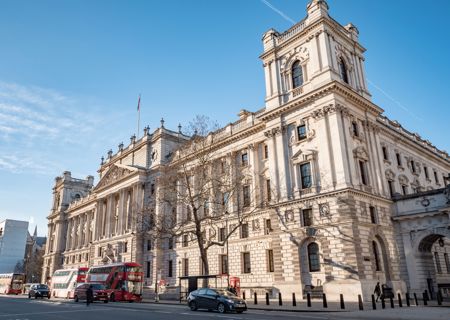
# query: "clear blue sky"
(71, 72)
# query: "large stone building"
(331, 161)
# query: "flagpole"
(139, 116)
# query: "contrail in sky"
(267, 3)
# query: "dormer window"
(343, 71)
(297, 75)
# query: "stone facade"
(332, 162)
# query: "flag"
(139, 103)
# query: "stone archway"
(431, 264)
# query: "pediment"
(115, 173)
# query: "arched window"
(297, 75)
(313, 257)
(343, 70)
(376, 255)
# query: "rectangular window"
(385, 153)
(307, 217)
(373, 214)
(246, 267)
(305, 173)
(100, 251)
(399, 159)
(362, 171)
(222, 234)
(125, 247)
(391, 188)
(266, 151)
(149, 245)
(244, 159)
(268, 226)
(148, 270)
(447, 262)
(170, 269)
(301, 132)
(268, 191)
(185, 240)
(436, 177)
(152, 188)
(270, 264)
(425, 170)
(244, 230)
(413, 166)
(355, 129)
(170, 242)
(223, 262)
(246, 196)
(185, 266)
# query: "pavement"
(21, 308)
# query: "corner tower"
(312, 53)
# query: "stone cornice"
(332, 87)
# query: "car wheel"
(112, 297)
(221, 308)
(240, 311)
(35, 296)
(29, 296)
(75, 298)
(193, 305)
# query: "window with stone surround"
(223, 263)
(399, 159)
(305, 175)
(170, 269)
(100, 251)
(343, 71)
(244, 159)
(297, 75)
(185, 240)
(246, 266)
(373, 214)
(404, 189)
(148, 269)
(363, 172)
(125, 247)
(149, 244)
(313, 257)
(185, 266)
(222, 234)
(246, 196)
(244, 230)
(270, 264)
(170, 242)
(307, 217)
(436, 179)
(267, 226)
(265, 151)
(391, 188)
(447, 262)
(301, 132)
(355, 128)
(425, 171)
(385, 153)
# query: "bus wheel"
(112, 298)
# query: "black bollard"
(324, 299)
(267, 298)
(408, 303)
(342, 301)
(415, 299)
(400, 304)
(392, 302)
(425, 298)
(360, 302)
(374, 305)
(294, 301)
(439, 298)
(428, 296)
(255, 298)
(383, 303)
(308, 299)
(280, 301)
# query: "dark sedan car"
(99, 292)
(214, 299)
(39, 290)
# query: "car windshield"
(42, 286)
(226, 293)
(98, 286)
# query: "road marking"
(164, 312)
(50, 312)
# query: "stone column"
(283, 175)
(273, 163)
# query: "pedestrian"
(89, 295)
(377, 291)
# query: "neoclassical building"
(324, 157)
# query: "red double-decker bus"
(123, 281)
(11, 283)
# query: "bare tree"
(205, 195)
